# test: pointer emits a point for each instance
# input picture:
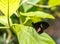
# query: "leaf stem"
(8, 29)
(8, 15)
(19, 16)
(27, 18)
(41, 6)
(4, 27)
(9, 36)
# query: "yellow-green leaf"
(9, 6)
(54, 2)
(36, 19)
(28, 35)
(4, 20)
(38, 14)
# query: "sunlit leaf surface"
(37, 16)
(9, 6)
(4, 20)
(27, 35)
(54, 2)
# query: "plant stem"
(20, 19)
(8, 29)
(9, 36)
(4, 27)
(41, 6)
(19, 16)
(8, 15)
(27, 18)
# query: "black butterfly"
(40, 26)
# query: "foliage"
(27, 35)
(54, 2)
(22, 28)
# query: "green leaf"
(4, 21)
(9, 6)
(26, 6)
(53, 2)
(36, 19)
(28, 35)
(37, 16)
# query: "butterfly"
(40, 26)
